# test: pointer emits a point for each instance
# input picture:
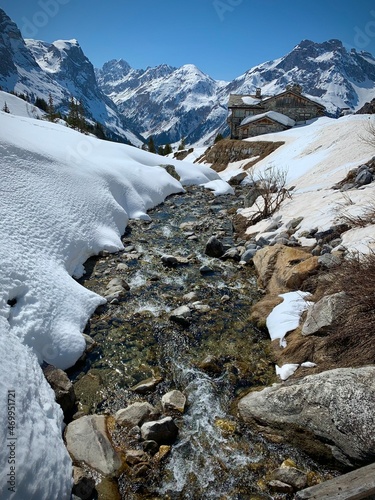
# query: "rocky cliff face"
(61, 69)
(18, 69)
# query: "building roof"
(286, 92)
(272, 115)
(237, 100)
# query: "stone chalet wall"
(296, 108)
(264, 126)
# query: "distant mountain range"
(170, 103)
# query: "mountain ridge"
(169, 103)
(327, 72)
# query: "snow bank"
(64, 197)
(34, 463)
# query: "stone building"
(251, 115)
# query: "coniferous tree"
(168, 149)
(5, 108)
(151, 145)
(41, 104)
(76, 116)
(51, 109)
(82, 127)
(218, 138)
(161, 151)
(99, 131)
(182, 145)
(73, 119)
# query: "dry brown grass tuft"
(353, 339)
(365, 219)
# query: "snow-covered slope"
(19, 107)
(61, 69)
(317, 156)
(64, 197)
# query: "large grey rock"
(147, 385)
(135, 414)
(328, 260)
(231, 253)
(181, 315)
(363, 177)
(333, 411)
(248, 255)
(162, 431)
(87, 441)
(237, 178)
(324, 313)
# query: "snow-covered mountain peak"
(65, 45)
(116, 67)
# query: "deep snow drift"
(64, 197)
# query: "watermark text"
(11, 441)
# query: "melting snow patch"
(286, 316)
(286, 371)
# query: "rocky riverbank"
(181, 338)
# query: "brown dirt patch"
(230, 150)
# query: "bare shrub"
(353, 339)
(369, 136)
(366, 218)
(267, 192)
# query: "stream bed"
(214, 356)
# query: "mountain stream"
(214, 356)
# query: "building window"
(239, 113)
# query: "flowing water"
(214, 457)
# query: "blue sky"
(223, 38)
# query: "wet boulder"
(181, 315)
(147, 385)
(296, 478)
(162, 431)
(83, 485)
(231, 253)
(135, 414)
(63, 388)
(87, 441)
(214, 247)
(174, 401)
